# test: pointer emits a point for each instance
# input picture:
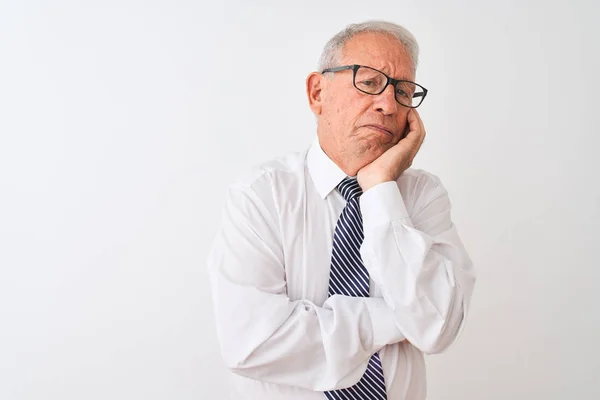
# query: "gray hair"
(332, 50)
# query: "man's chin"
(373, 149)
(369, 155)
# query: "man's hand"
(391, 164)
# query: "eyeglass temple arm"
(336, 69)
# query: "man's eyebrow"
(401, 78)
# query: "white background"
(122, 123)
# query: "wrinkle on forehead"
(380, 51)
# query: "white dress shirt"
(280, 335)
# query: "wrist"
(369, 183)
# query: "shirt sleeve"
(419, 262)
(262, 333)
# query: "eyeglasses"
(372, 81)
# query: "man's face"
(357, 125)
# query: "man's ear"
(314, 83)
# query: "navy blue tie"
(349, 277)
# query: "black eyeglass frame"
(392, 81)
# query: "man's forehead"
(378, 50)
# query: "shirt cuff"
(382, 204)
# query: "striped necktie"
(349, 277)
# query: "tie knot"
(349, 188)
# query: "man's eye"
(368, 83)
(402, 93)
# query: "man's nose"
(386, 101)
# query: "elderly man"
(338, 267)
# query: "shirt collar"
(324, 172)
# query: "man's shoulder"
(417, 185)
(264, 173)
(419, 175)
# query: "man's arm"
(419, 262)
(264, 335)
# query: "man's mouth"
(380, 128)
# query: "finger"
(419, 137)
(421, 132)
(420, 121)
(413, 123)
